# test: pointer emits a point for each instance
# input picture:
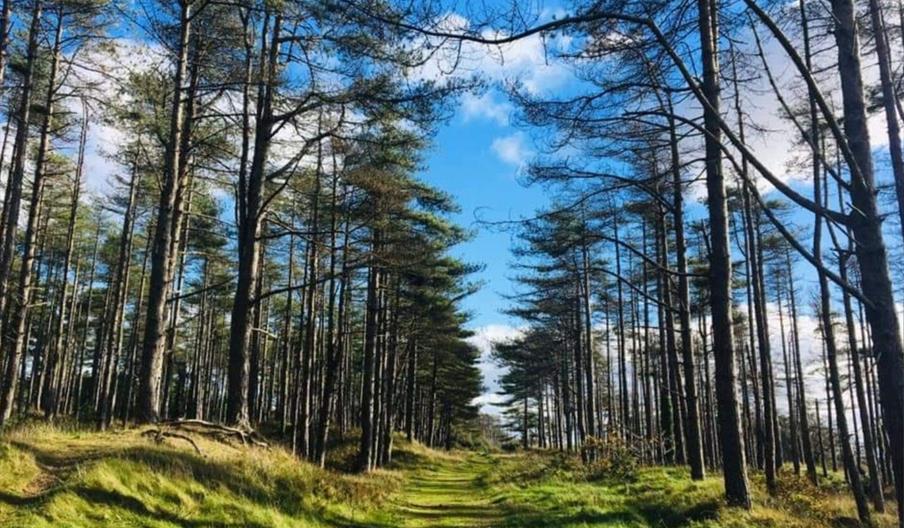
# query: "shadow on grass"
(635, 515)
(96, 495)
(670, 516)
(640, 510)
(551, 518)
(288, 493)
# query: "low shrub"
(609, 458)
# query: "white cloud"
(485, 106)
(102, 72)
(528, 61)
(512, 149)
(102, 140)
(483, 339)
(490, 402)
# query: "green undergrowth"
(57, 477)
(541, 489)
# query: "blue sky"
(476, 157)
(477, 154)
(484, 181)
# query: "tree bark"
(871, 253)
(152, 349)
(737, 488)
(15, 334)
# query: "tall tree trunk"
(251, 197)
(13, 196)
(789, 389)
(410, 390)
(889, 99)
(15, 335)
(624, 415)
(734, 466)
(870, 246)
(335, 344)
(851, 468)
(589, 370)
(365, 452)
(869, 444)
(152, 349)
(310, 310)
(59, 350)
(828, 332)
(120, 286)
(694, 444)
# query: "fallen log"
(215, 430)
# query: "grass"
(52, 476)
(539, 490)
(449, 492)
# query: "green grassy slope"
(55, 477)
(50, 477)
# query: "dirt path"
(449, 495)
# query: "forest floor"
(449, 493)
(58, 477)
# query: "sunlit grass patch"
(120, 478)
(544, 489)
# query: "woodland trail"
(450, 494)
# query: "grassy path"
(449, 494)
(120, 479)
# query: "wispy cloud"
(527, 60)
(512, 149)
(485, 106)
(483, 339)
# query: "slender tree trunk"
(13, 197)
(251, 197)
(59, 350)
(694, 444)
(365, 453)
(152, 350)
(589, 371)
(310, 332)
(335, 337)
(120, 286)
(889, 98)
(828, 332)
(737, 488)
(869, 444)
(789, 390)
(870, 246)
(15, 335)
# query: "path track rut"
(450, 495)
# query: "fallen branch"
(219, 431)
(159, 434)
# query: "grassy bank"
(55, 477)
